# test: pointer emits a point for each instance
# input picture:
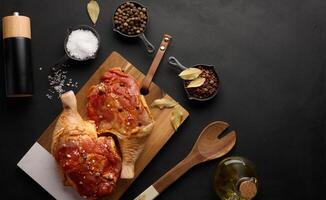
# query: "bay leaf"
(190, 73)
(196, 82)
(93, 10)
(176, 117)
(163, 103)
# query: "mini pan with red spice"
(208, 89)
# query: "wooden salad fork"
(209, 145)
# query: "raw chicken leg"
(117, 107)
(89, 163)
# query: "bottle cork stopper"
(16, 26)
(248, 189)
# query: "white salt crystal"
(49, 96)
(82, 44)
(59, 82)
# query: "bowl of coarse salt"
(82, 43)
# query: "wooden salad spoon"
(209, 145)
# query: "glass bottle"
(236, 179)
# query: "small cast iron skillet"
(174, 62)
(149, 46)
(67, 55)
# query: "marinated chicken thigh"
(117, 107)
(89, 163)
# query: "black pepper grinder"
(17, 55)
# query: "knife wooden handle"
(156, 62)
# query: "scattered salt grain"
(59, 81)
(82, 44)
(49, 96)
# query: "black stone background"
(271, 58)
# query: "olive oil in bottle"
(236, 179)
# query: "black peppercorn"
(130, 18)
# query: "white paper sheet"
(39, 164)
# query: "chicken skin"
(117, 107)
(89, 163)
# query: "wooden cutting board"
(162, 130)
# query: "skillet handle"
(150, 48)
(173, 61)
(58, 63)
(156, 62)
